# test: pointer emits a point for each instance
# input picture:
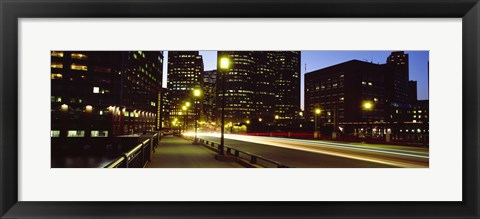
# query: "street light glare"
(184, 107)
(318, 111)
(187, 104)
(197, 92)
(224, 63)
(367, 105)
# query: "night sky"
(315, 60)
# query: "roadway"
(326, 154)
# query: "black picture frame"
(12, 10)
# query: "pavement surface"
(175, 152)
(327, 154)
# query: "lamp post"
(196, 93)
(224, 66)
(317, 112)
(367, 106)
(185, 123)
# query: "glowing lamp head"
(318, 111)
(88, 108)
(197, 92)
(276, 117)
(367, 105)
(224, 63)
(184, 107)
(248, 121)
(187, 104)
(64, 107)
(259, 119)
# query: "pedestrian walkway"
(175, 152)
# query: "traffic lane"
(378, 155)
(422, 151)
(297, 158)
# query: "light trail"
(389, 156)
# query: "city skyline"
(316, 60)
(109, 109)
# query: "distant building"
(104, 94)
(185, 70)
(165, 109)
(209, 93)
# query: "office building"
(185, 70)
(104, 94)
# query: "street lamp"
(317, 112)
(224, 67)
(196, 93)
(367, 106)
(185, 123)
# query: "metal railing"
(137, 157)
(252, 158)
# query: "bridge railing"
(137, 157)
(251, 157)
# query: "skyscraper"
(262, 85)
(185, 70)
(239, 87)
(287, 87)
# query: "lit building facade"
(261, 86)
(104, 94)
(239, 87)
(287, 87)
(341, 92)
(185, 72)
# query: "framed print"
(239, 109)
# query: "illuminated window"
(55, 133)
(56, 65)
(78, 56)
(78, 67)
(57, 76)
(57, 54)
(95, 133)
(76, 133)
(96, 90)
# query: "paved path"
(174, 152)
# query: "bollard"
(253, 160)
